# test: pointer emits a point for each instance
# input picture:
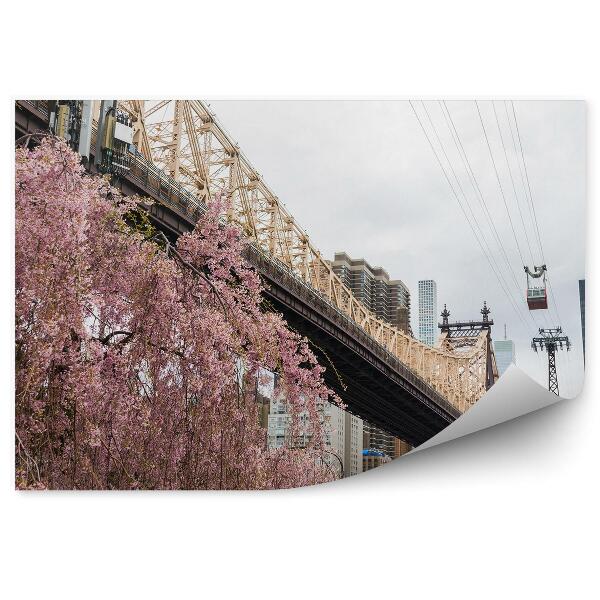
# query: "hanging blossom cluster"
(137, 368)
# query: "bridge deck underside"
(366, 384)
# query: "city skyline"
(398, 210)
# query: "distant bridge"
(384, 376)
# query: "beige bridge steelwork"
(183, 138)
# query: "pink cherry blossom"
(137, 364)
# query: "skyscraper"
(505, 353)
(428, 312)
(388, 298)
(582, 310)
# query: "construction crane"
(551, 340)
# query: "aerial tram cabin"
(537, 294)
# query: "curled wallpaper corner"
(515, 394)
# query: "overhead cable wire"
(534, 212)
(523, 183)
(460, 204)
(479, 195)
(546, 318)
(450, 165)
(537, 229)
(544, 315)
(499, 183)
(512, 181)
(503, 194)
(498, 271)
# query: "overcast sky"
(360, 176)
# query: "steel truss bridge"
(184, 158)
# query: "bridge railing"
(165, 188)
(281, 272)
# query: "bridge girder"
(185, 139)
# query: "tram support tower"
(551, 340)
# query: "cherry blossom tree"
(137, 360)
